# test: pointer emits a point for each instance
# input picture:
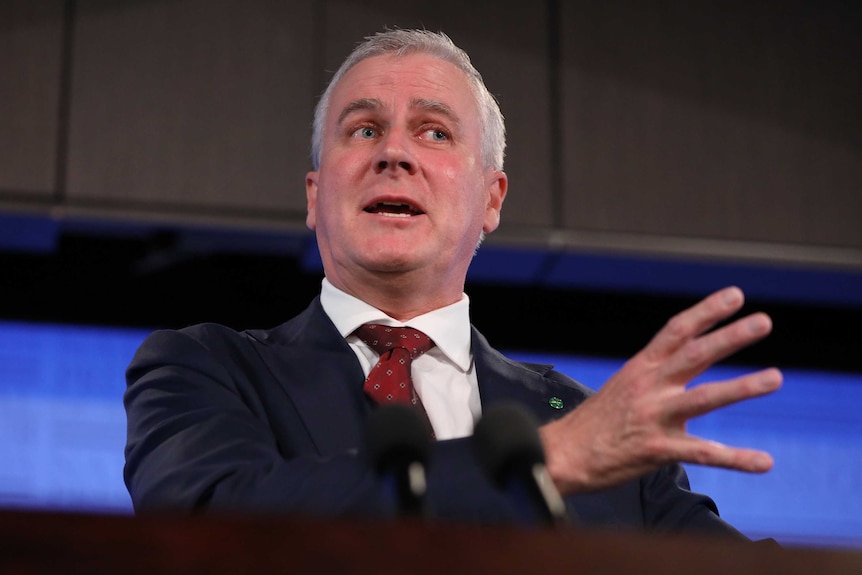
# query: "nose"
(394, 154)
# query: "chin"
(393, 261)
(394, 266)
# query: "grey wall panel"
(197, 105)
(507, 42)
(30, 72)
(673, 122)
(724, 120)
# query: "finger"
(694, 321)
(708, 397)
(690, 449)
(697, 354)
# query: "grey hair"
(403, 42)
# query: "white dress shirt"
(444, 377)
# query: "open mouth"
(394, 209)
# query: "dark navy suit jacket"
(272, 421)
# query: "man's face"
(401, 185)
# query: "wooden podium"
(36, 543)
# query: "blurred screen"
(62, 433)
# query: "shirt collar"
(448, 326)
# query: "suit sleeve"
(670, 505)
(198, 439)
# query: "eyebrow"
(416, 103)
(360, 104)
(437, 107)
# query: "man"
(408, 154)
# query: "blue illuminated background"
(62, 432)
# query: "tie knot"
(383, 338)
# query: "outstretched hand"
(637, 421)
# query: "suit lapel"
(319, 372)
(502, 379)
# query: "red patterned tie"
(390, 381)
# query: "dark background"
(146, 283)
(153, 153)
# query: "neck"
(398, 295)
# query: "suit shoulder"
(555, 377)
(207, 334)
(534, 375)
(184, 344)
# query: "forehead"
(391, 79)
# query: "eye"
(365, 133)
(435, 135)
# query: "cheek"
(347, 162)
(472, 195)
(450, 173)
(460, 175)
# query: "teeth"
(393, 209)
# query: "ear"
(311, 199)
(497, 183)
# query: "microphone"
(399, 443)
(510, 451)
